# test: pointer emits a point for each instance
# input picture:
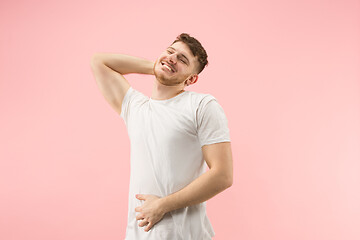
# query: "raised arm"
(109, 68)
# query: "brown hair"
(196, 49)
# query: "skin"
(217, 156)
(109, 70)
(150, 212)
(168, 84)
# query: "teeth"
(168, 67)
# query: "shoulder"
(133, 94)
(200, 99)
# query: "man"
(171, 134)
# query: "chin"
(161, 76)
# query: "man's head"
(196, 49)
(185, 57)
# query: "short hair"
(196, 49)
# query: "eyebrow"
(181, 54)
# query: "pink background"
(286, 73)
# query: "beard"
(164, 79)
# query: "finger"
(139, 217)
(140, 196)
(143, 223)
(148, 227)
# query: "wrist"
(151, 66)
(164, 205)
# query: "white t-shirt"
(166, 137)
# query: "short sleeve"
(133, 99)
(212, 124)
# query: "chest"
(163, 124)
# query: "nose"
(172, 58)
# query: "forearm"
(201, 189)
(125, 64)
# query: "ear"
(193, 79)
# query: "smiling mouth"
(168, 67)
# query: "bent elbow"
(229, 183)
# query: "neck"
(163, 92)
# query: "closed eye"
(180, 59)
